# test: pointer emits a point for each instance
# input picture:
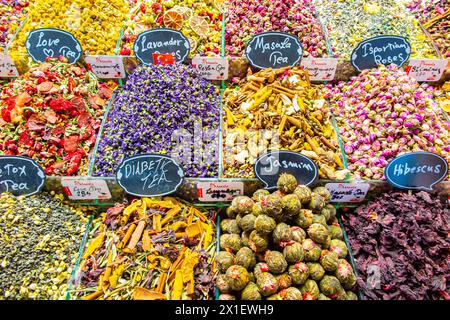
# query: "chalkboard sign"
(161, 40)
(271, 165)
(149, 175)
(416, 170)
(49, 42)
(20, 176)
(274, 50)
(380, 50)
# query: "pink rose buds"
(383, 113)
(297, 17)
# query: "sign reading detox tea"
(416, 170)
(149, 175)
(49, 42)
(381, 50)
(271, 165)
(161, 40)
(274, 50)
(20, 176)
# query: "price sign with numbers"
(85, 189)
(219, 191)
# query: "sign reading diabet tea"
(274, 50)
(50, 42)
(381, 50)
(271, 165)
(416, 170)
(20, 176)
(149, 175)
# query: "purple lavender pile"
(166, 110)
(401, 245)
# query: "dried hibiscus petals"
(52, 114)
(401, 245)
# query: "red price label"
(163, 58)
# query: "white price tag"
(347, 192)
(85, 189)
(320, 69)
(211, 68)
(219, 191)
(426, 69)
(7, 67)
(106, 67)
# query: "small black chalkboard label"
(381, 50)
(271, 165)
(20, 176)
(416, 170)
(50, 42)
(149, 175)
(161, 40)
(274, 50)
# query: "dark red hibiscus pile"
(52, 114)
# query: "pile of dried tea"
(152, 249)
(278, 109)
(39, 242)
(286, 245)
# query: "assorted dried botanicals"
(401, 244)
(350, 22)
(383, 113)
(163, 109)
(52, 113)
(39, 242)
(285, 249)
(278, 109)
(12, 12)
(152, 249)
(199, 21)
(244, 19)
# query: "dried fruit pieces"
(145, 251)
(278, 109)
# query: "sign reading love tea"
(380, 50)
(20, 176)
(274, 50)
(149, 175)
(49, 42)
(161, 40)
(271, 165)
(416, 170)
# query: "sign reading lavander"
(271, 165)
(20, 176)
(274, 50)
(149, 175)
(50, 42)
(161, 40)
(381, 50)
(416, 170)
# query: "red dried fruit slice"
(24, 138)
(79, 104)
(85, 119)
(36, 123)
(58, 130)
(51, 116)
(22, 99)
(105, 92)
(45, 87)
(71, 143)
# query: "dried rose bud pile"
(401, 245)
(199, 21)
(167, 110)
(278, 109)
(39, 242)
(52, 114)
(152, 249)
(383, 113)
(12, 12)
(244, 19)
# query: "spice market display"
(371, 224)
